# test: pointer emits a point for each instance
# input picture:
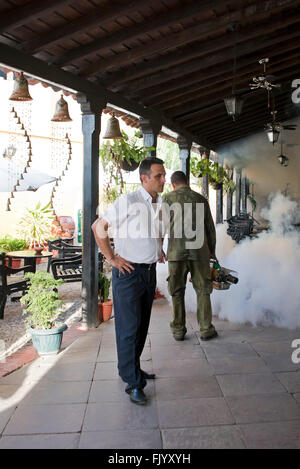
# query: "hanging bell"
(113, 128)
(20, 92)
(61, 111)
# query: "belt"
(143, 266)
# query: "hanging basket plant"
(218, 176)
(120, 155)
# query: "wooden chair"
(64, 248)
(69, 269)
(10, 284)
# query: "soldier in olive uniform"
(182, 259)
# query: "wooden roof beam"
(186, 36)
(18, 60)
(99, 16)
(18, 15)
(252, 46)
(175, 15)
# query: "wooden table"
(30, 257)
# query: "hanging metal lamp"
(61, 111)
(273, 134)
(20, 91)
(113, 128)
(283, 160)
(233, 103)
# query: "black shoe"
(148, 375)
(215, 334)
(138, 396)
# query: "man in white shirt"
(137, 233)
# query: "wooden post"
(91, 123)
(229, 199)
(184, 155)
(238, 175)
(150, 132)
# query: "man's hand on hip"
(121, 264)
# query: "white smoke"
(268, 291)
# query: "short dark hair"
(179, 178)
(146, 164)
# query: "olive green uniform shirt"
(177, 250)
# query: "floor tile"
(67, 392)
(120, 416)
(187, 388)
(118, 439)
(234, 365)
(177, 368)
(180, 352)
(61, 441)
(263, 408)
(114, 391)
(46, 419)
(194, 412)
(245, 384)
(224, 350)
(221, 437)
(291, 380)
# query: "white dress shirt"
(137, 229)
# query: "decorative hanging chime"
(113, 128)
(20, 92)
(61, 111)
(234, 103)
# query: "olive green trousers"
(201, 280)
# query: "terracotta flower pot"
(15, 264)
(105, 310)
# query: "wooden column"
(238, 175)
(150, 132)
(184, 155)
(229, 199)
(91, 123)
(205, 152)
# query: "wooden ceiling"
(172, 58)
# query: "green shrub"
(42, 300)
(103, 287)
(8, 243)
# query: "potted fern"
(42, 309)
(8, 244)
(104, 303)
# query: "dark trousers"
(133, 295)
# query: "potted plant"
(42, 308)
(104, 303)
(9, 244)
(218, 176)
(35, 226)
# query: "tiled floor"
(240, 390)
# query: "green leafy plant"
(103, 287)
(35, 225)
(252, 201)
(8, 243)
(216, 174)
(112, 154)
(42, 300)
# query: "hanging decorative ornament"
(20, 92)
(113, 128)
(61, 111)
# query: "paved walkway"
(240, 390)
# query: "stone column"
(150, 132)
(184, 155)
(91, 123)
(238, 176)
